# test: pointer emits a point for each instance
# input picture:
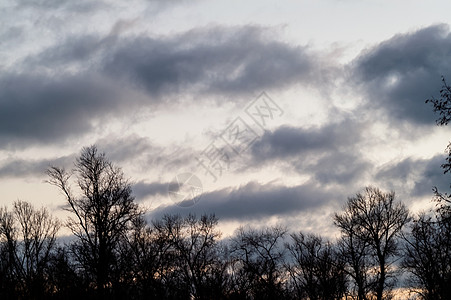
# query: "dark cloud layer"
(42, 101)
(78, 6)
(424, 173)
(329, 153)
(141, 189)
(219, 60)
(253, 201)
(287, 141)
(342, 168)
(39, 108)
(398, 75)
(23, 168)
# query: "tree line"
(114, 253)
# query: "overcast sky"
(281, 109)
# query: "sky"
(262, 112)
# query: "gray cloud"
(253, 201)
(24, 168)
(343, 168)
(329, 153)
(123, 149)
(398, 75)
(421, 174)
(224, 60)
(11, 34)
(77, 6)
(74, 50)
(81, 52)
(432, 176)
(142, 189)
(46, 109)
(42, 103)
(287, 141)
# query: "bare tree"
(194, 248)
(317, 271)
(427, 256)
(28, 237)
(355, 253)
(142, 255)
(8, 248)
(259, 254)
(373, 217)
(103, 211)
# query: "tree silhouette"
(427, 256)
(28, 239)
(193, 245)
(376, 220)
(355, 253)
(259, 256)
(318, 270)
(103, 212)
